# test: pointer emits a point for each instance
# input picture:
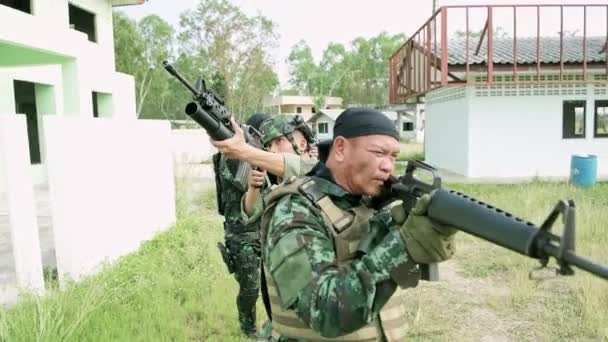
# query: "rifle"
(495, 225)
(209, 111)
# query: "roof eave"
(120, 3)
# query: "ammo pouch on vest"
(348, 228)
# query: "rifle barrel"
(176, 74)
(573, 259)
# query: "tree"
(140, 49)
(158, 36)
(128, 45)
(302, 68)
(236, 47)
(358, 73)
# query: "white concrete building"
(301, 105)
(504, 107)
(323, 122)
(57, 58)
(82, 181)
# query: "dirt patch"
(461, 309)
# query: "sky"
(320, 22)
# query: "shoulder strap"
(338, 218)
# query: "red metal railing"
(428, 61)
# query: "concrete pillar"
(17, 183)
(7, 94)
(77, 94)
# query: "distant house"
(507, 107)
(409, 119)
(302, 105)
(323, 121)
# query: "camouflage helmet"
(284, 125)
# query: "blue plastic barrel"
(583, 170)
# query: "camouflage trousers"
(244, 250)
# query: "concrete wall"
(191, 146)
(17, 192)
(510, 131)
(446, 144)
(521, 136)
(108, 192)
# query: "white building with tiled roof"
(301, 105)
(512, 106)
(323, 122)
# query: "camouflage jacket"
(332, 299)
(232, 191)
(294, 166)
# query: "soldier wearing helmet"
(286, 135)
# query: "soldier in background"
(286, 135)
(277, 164)
(241, 251)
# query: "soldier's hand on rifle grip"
(427, 241)
(235, 146)
(257, 178)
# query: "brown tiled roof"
(526, 50)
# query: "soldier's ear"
(338, 147)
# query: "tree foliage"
(358, 72)
(215, 40)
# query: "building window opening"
(25, 103)
(323, 127)
(601, 119)
(20, 5)
(408, 126)
(83, 21)
(299, 110)
(102, 105)
(573, 122)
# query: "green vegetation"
(570, 307)
(410, 151)
(176, 288)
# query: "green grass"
(567, 308)
(174, 288)
(411, 151)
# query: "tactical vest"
(347, 228)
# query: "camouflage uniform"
(332, 264)
(284, 125)
(294, 164)
(243, 247)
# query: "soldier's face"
(370, 160)
(283, 145)
(280, 145)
